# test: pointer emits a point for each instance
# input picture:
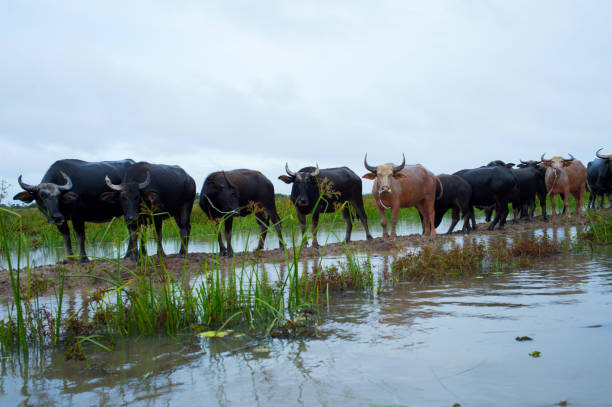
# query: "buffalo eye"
(43, 195)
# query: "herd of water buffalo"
(83, 191)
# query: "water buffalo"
(240, 192)
(153, 192)
(455, 194)
(69, 190)
(323, 191)
(565, 176)
(401, 186)
(599, 178)
(532, 177)
(493, 185)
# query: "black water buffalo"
(240, 192)
(70, 190)
(531, 183)
(599, 179)
(151, 193)
(456, 193)
(338, 186)
(532, 180)
(491, 186)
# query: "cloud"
(211, 85)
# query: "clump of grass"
(599, 228)
(435, 263)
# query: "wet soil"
(92, 275)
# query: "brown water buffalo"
(403, 186)
(565, 176)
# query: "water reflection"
(431, 345)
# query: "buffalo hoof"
(315, 244)
(83, 260)
(369, 237)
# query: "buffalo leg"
(65, 231)
(229, 222)
(183, 221)
(553, 205)
(360, 211)
(158, 221)
(222, 249)
(455, 217)
(346, 213)
(498, 213)
(314, 227)
(263, 222)
(302, 218)
(79, 231)
(383, 219)
(565, 197)
(394, 214)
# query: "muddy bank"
(93, 274)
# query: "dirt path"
(80, 276)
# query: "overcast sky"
(253, 84)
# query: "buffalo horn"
(368, 167)
(27, 187)
(316, 172)
(524, 162)
(401, 166)
(544, 160)
(570, 159)
(111, 185)
(289, 172)
(68, 185)
(601, 155)
(146, 182)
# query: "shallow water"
(416, 345)
(208, 243)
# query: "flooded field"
(414, 345)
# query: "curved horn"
(524, 162)
(544, 160)
(601, 155)
(27, 187)
(68, 185)
(289, 172)
(316, 172)
(229, 183)
(570, 159)
(111, 185)
(146, 182)
(368, 167)
(399, 167)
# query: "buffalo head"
(305, 190)
(129, 194)
(220, 193)
(500, 163)
(384, 173)
(556, 162)
(48, 197)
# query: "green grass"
(38, 233)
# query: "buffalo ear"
(399, 175)
(369, 175)
(567, 163)
(509, 165)
(286, 179)
(109, 197)
(69, 197)
(24, 196)
(545, 164)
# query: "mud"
(95, 274)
